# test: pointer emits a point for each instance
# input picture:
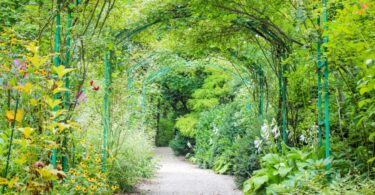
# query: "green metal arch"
(165, 70)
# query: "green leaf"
(371, 160)
(283, 171)
(364, 102)
(364, 90)
(61, 71)
(247, 187)
(271, 159)
(259, 181)
(372, 137)
(224, 169)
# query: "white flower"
(265, 133)
(302, 138)
(368, 61)
(276, 133)
(189, 144)
(216, 130)
(258, 144)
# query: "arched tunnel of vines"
(187, 97)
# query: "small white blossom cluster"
(268, 132)
(258, 144)
(216, 130)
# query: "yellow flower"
(84, 190)
(76, 173)
(43, 72)
(13, 41)
(92, 187)
(73, 180)
(78, 187)
(82, 164)
(97, 160)
(114, 188)
(91, 179)
(85, 173)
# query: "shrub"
(186, 124)
(181, 145)
(130, 150)
(283, 173)
(166, 132)
(245, 159)
(133, 161)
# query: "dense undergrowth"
(87, 88)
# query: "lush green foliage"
(166, 132)
(284, 173)
(217, 80)
(181, 145)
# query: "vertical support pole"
(326, 83)
(10, 142)
(105, 111)
(67, 94)
(56, 61)
(261, 92)
(67, 55)
(283, 104)
(320, 111)
(110, 69)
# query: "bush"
(134, 160)
(166, 132)
(130, 150)
(245, 159)
(284, 173)
(181, 145)
(204, 134)
(186, 124)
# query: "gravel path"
(177, 176)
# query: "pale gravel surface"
(177, 176)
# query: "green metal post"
(261, 92)
(56, 61)
(320, 111)
(110, 53)
(326, 83)
(283, 104)
(10, 142)
(105, 111)
(67, 95)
